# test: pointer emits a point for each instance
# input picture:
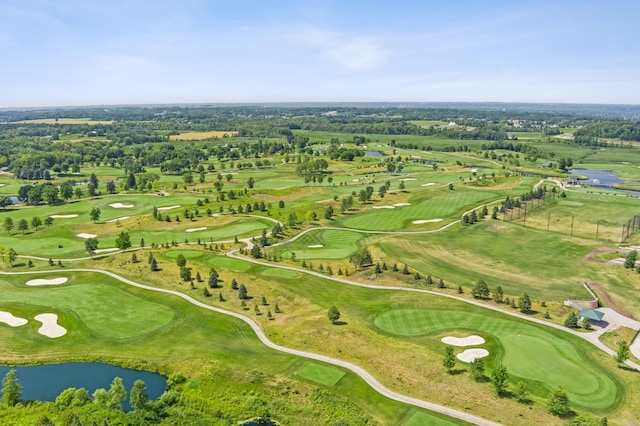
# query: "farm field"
(219, 258)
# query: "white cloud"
(353, 53)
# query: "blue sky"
(84, 52)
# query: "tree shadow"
(457, 371)
(340, 323)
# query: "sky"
(86, 52)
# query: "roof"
(592, 314)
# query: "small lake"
(373, 154)
(597, 177)
(45, 382)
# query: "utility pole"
(548, 220)
(597, 228)
(572, 217)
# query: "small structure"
(592, 314)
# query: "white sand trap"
(406, 179)
(107, 250)
(355, 180)
(52, 281)
(383, 207)
(83, 235)
(121, 206)
(315, 246)
(119, 218)
(428, 184)
(63, 216)
(2, 184)
(463, 341)
(167, 208)
(469, 355)
(402, 204)
(12, 320)
(419, 222)
(50, 327)
(196, 229)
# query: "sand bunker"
(2, 184)
(383, 207)
(469, 355)
(402, 204)
(419, 222)
(120, 206)
(117, 219)
(167, 208)
(107, 250)
(12, 320)
(428, 184)
(83, 235)
(50, 327)
(355, 180)
(463, 341)
(315, 246)
(196, 229)
(52, 281)
(63, 216)
(406, 179)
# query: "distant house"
(573, 182)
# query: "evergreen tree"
(525, 303)
(449, 360)
(242, 292)
(333, 314)
(571, 321)
(499, 378)
(477, 369)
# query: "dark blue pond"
(45, 382)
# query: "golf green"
(95, 305)
(530, 352)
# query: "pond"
(597, 177)
(374, 154)
(45, 382)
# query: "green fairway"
(327, 376)
(188, 254)
(447, 206)
(322, 244)
(527, 351)
(95, 305)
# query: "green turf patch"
(188, 254)
(230, 264)
(321, 374)
(423, 419)
(280, 273)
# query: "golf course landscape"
(298, 271)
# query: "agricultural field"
(222, 257)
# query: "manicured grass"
(422, 419)
(94, 304)
(527, 351)
(446, 205)
(334, 245)
(188, 254)
(327, 376)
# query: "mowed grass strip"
(529, 352)
(446, 206)
(104, 309)
(321, 374)
(423, 419)
(334, 244)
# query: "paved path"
(375, 384)
(592, 338)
